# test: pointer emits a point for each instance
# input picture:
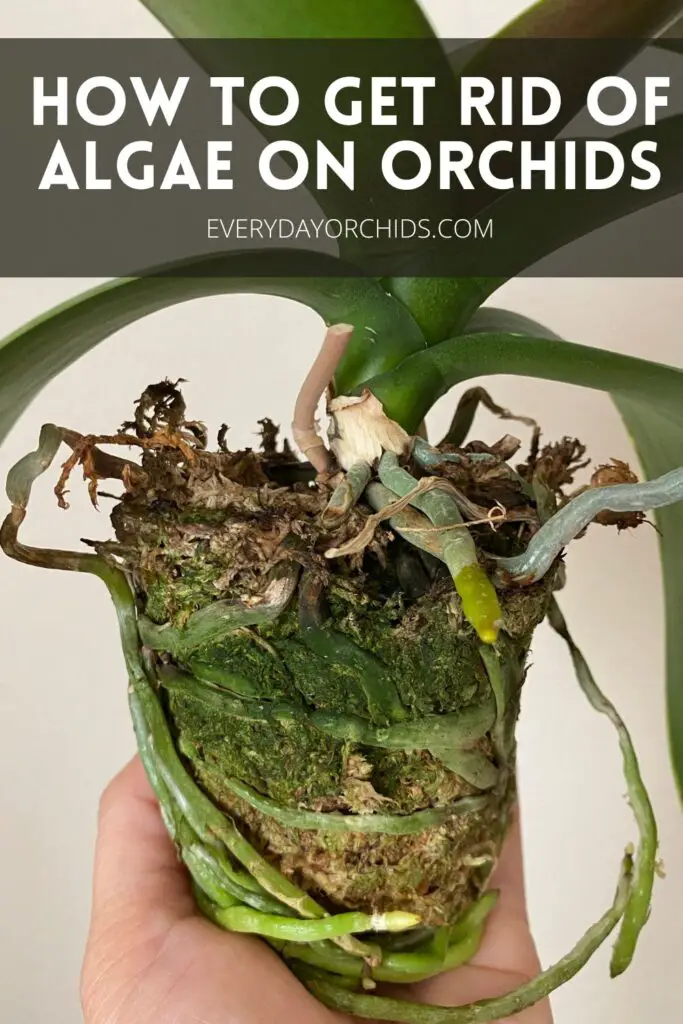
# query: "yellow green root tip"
(480, 603)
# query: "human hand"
(152, 959)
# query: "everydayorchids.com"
(284, 228)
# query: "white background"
(62, 696)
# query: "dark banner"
(383, 158)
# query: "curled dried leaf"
(616, 472)
(361, 430)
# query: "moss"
(524, 609)
(250, 654)
(413, 780)
(189, 538)
(331, 687)
(429, 874)
(290, 762)
(438, 668)
(180, 586)
(435, 874)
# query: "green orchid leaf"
(409, 391)
(492, 320)
(600, 19)
(553, 219)
(672, 39)
(658, 441)
(674, 45)
(540, 223)
(34, 354)
(626, 28)
(198, 23)
(648, 395)
(442, 306)
(291, 19)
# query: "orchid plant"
(358, 623)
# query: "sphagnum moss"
(325, 682)
(352, 646)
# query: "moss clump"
(212, 528)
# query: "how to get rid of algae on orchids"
(326, 639)
(326, 657)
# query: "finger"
(507, 941)
(231, 979)
(136, 865)
(507, 957)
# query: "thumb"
(137, 871)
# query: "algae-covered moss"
(323, 706)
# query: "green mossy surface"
(436, 668)
(184, 555)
